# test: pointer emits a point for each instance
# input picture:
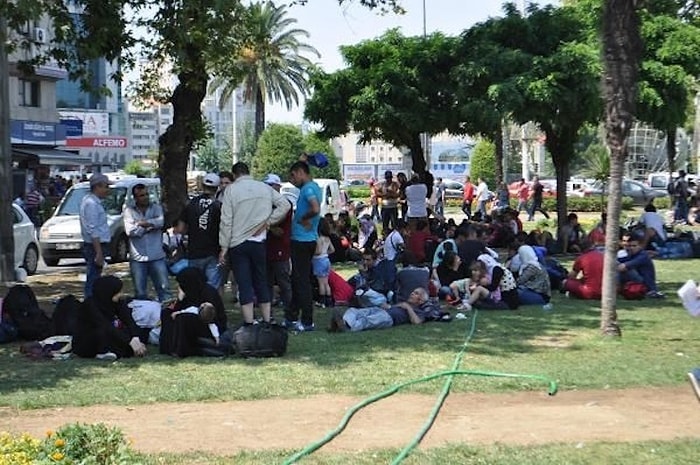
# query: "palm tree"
(622, 49)
(271, 65)
(597, 166)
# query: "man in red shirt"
(590, 285)
(418, 239)
(468, 197)
(279, 245)
(523, 195)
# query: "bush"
(358, 193)
(574, 204)
(70, 445)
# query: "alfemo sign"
(107, 142)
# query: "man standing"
(304, 235)
(389, 192)
(143, 224)
(468, 197)
(248, 209)
(94, 229)
(226, 179)
(32, 204)
(202, 216)
(523, 195)
(279, 246)
(482, 196)
(536, 192)
(679, 199)
(440, 197)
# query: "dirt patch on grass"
(522, 418)
(559, 341)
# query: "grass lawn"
(660, 343)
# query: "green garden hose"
(450, 374)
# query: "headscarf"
(489, 261)
(193, 283)
(103, 289)
(528, 257)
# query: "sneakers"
(694, 377)
(302, 328)
(107, 356)
(655, 295)
(289, 324)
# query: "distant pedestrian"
(537, 194)
(32, 204)
(143, 224)
(226, 179)
(440, 197)
(483, 195)
(523, 195)
(94, 230)
(389, 192)
(679, 198)
(468, 197)
(304, 235)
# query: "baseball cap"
(99, 178)
(211, 180)
(388, 174)
(272, 180)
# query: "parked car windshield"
(113, 203)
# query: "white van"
(59, 236)
(331, 199)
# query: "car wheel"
(51, 261)
(31, 259)
(120, 250)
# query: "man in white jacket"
(248, 209)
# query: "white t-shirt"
(415, 197)
(653, 220)
(391, 245)
(482, 192)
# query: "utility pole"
(7, 243)
(425, 137)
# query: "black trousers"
(389, 217)
(302, 293)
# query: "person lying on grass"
(416, 310)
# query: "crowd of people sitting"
(414, 267)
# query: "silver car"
(60, 237)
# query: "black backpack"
(65, 315)
(260, 340)
(22, 310)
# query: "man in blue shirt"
(94, 229)
(637, 266)
(143, 224)
(304, 234)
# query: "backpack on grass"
(260, 340)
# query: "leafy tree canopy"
(394, 89)
(280, 145)
(482, 161)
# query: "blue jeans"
(210, 266)
(92, 271)
(529, 297)
(248, 262)
(157, 271)
(360, 319)
(481, 208)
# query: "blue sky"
(331, 26)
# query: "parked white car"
(26, 245)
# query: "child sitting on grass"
(207, 313)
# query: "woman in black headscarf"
(179, 336)
(106, 329)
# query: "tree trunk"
(671, 149)
(417, 154)
(178, 140)
(498, 142)
(259, 113)
(561, 149)
(622, 51)
(7, 244)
